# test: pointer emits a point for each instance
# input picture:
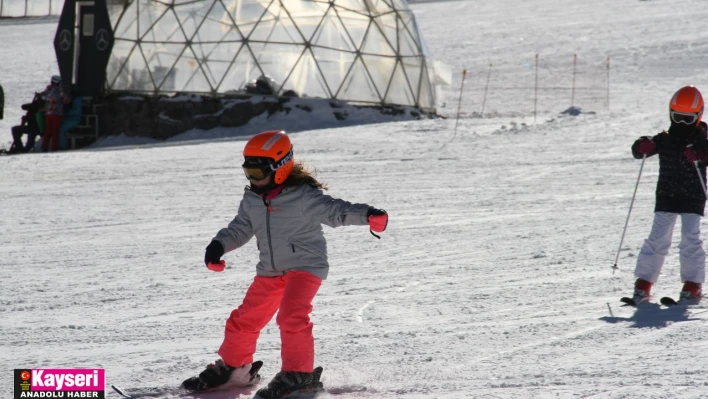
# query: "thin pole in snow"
(572, 91)
(459, 101)
(535, 93)
(459, 104)
(608, 83)
(486, 89)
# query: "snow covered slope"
(492, 281)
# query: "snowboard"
(181, 391)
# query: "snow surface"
(493, 279)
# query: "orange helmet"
(686, 106)
(267, 153)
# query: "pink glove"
(217, 267)
(691, 154)
(646, 146)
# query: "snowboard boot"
(287, 382)
(642, 291)
(690, 292)
(221, 375)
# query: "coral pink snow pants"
(293, 294)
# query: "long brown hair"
(301, 176)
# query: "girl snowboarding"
(284, 208)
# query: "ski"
(171, 392)
(153, 392)
(627, 301)
(668, 301)
(632, 302)
(121, 392)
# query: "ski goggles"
(684, 118)
(257, 172)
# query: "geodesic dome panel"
(363, 51)
(30, 8)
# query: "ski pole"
(698, 172)
(700, 176)
(626, 222)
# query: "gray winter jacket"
(288, 228)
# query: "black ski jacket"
(679, 189)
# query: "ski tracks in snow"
(359, 315)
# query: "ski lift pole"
(626, 222)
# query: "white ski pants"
(692, 257)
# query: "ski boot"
(287, 382)
(690, 292)
(220, 375)
(642, 292)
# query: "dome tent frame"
(359, 51)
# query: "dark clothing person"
(2, 103)
(28, 126)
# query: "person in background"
(284, 208)
(680, 190)
(70, 119)
(55, 96)
(29, 126)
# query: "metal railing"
(30, 8)
(535, 86)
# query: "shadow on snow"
(653, 315)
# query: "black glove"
(214, 252)
(375, 212)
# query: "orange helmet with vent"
(686, 106)
(268, 153)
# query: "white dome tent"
(360, 51)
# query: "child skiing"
(680, 190)
(283, 207)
